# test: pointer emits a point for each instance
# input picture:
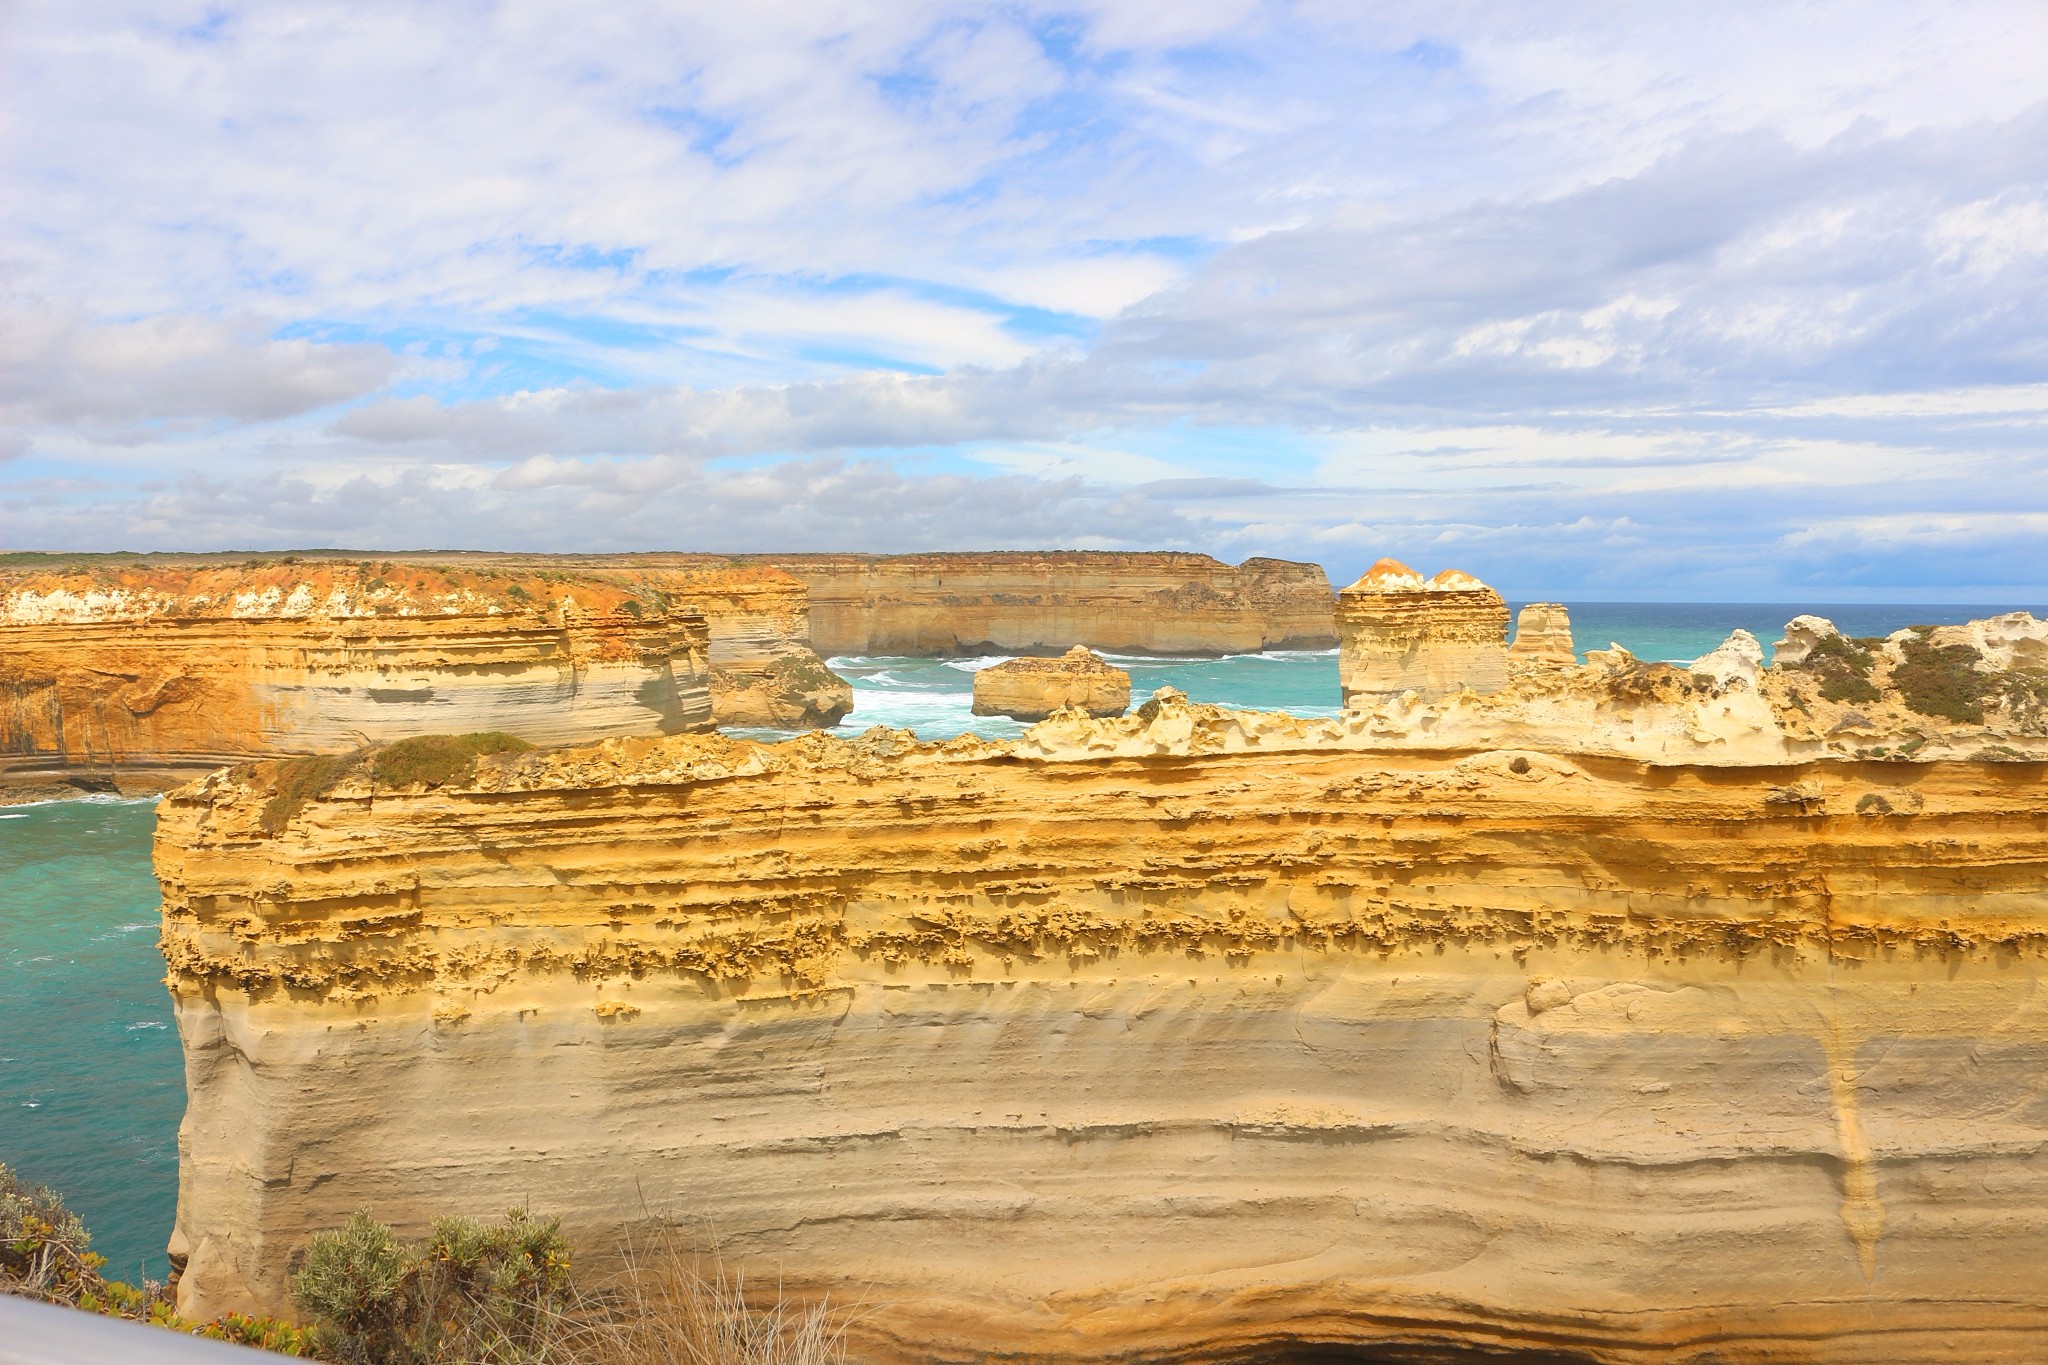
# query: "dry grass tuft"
(671, 1305)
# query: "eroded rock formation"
(169, 663)
(764, 671)
(158, 667)
(1399, 633)
(1032, 688)
(1543, 637)
(1202, 1035)
(1024, 602)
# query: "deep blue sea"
(91, 1083)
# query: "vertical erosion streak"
(1862, 1213)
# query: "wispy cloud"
(1706, 302)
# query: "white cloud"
(1548, 284)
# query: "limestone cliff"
(1194, 1035)
(764, 671)
(1032, 689)
(1024, 602)
(155, 667)
(146, 665)
(1399, 633)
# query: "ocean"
(91, 1079)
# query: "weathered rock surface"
(159, 664)
(157, 667)
(1398, 633)
(1740, 657)
(1191, 1035)
(764, 671)
(1025, 602)
(1032, 689)
(1543, 637)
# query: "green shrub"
(1842, 666)
(45, 1254)
(434, 760)
(1942, 680)
(45, 1251)
(470, 1292)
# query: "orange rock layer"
(1026, 602)
(110, 664)
(152, 667)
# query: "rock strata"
(154, 665)
(158, 669)
(1613, 1016)
(1032, 689)
(1040, 602)
(1543, 638)
(1398, 633)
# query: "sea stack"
(1032, 689)
(1398, 632)
(1543, 637)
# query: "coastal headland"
(1045, 601)
(151, 669)
(1620, 1012)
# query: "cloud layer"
(1742, 304)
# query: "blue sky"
(1733, 301)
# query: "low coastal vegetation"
(422, 761)
(1843, 668)
(46, 1254)
(470, 1293)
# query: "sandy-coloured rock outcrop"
(148, 665)
(159, 667)
(764, 671)
(1191, 1035)
(1398, 633)
(1543, 637)
(1034, 688)
(1037, 602)
(1740, 657)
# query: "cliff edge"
(1191, 1035)
(1042, 602)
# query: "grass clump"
(1842, 667)
(299, 780)
(1943, 680)
(435, 760)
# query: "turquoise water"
(91, 1087)
(934, 697)
(92, 1083)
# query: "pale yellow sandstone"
(1032, 688)
(1618, 1018)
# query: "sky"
(1596, 301)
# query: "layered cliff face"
(1032, 689)
(764, 671)
(166, 664)
(162, 668)
(1191, 1035)
(1401, 633)
(1026, 602)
